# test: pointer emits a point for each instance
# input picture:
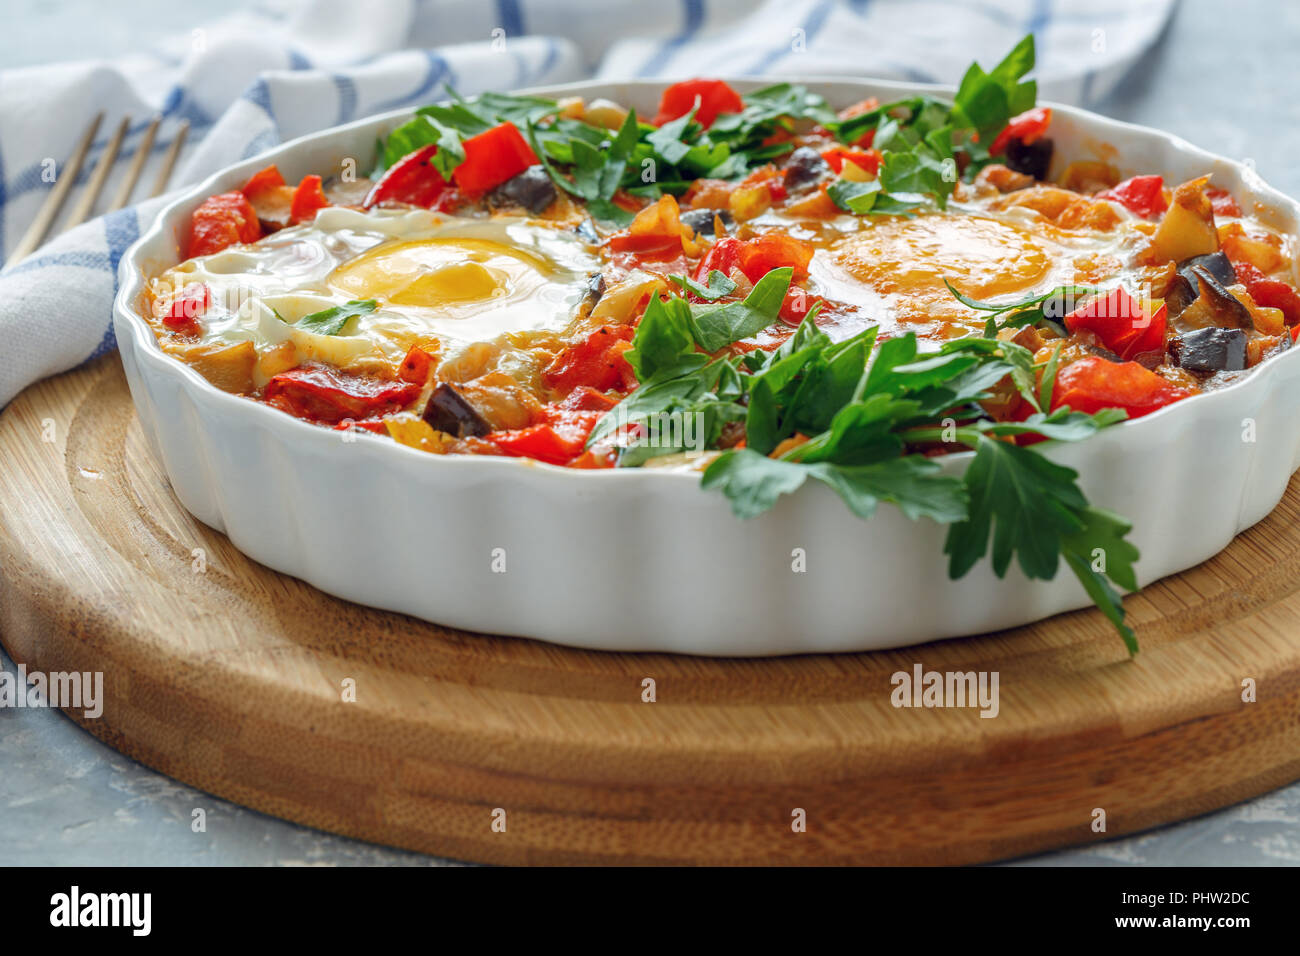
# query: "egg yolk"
(910, 258)
(453, 275)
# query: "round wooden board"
(230, 677)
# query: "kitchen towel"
(282, 69)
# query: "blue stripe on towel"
(347, 98)
(511, 17)
(693, 14)
(811, 27)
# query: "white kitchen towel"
(287, 68)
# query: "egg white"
(502, 274)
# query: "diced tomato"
(222, 221)
(723, 256)
(557, 441)
(1270, 293)
(491, 158)
(413, 179)
(715, 96)
(868, 159)
(192, 302)
(416, 366)
(771, 251)
(797, 304)
(308, 199)
(1142, 195)
(1122, 323)
(596, 361)
(1222, 203)
(584, 398)
(263, 180)
(322, 393)
(1093, 383)
(1028, 127)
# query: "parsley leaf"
(717, 326)
(753, 483)
(332, 320)
(718, 286)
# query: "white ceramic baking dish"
(645, 560)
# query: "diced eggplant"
(1185, 287)
(1210, 350)
(587, 231)
(449, 411)
(532, 190)
(595, 290)
(1033, 159)
(1102, 352)
(1215, 263)
(805, 167)
(701, 220)
(1212, 304)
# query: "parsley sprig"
(1047, 307)
(923, 141)
(860, 415)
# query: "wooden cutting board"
(232, 678)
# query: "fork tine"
(54, 202)
(169, 160)
(86, 204)
(137, 164)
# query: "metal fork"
(85, 207)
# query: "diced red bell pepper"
(715, 96)
(651, 246)
(1122, 323)
(491, 158)
(308, 199)
(557, 441)
(413, 179)
(1142, 195)
(322, 393)
(596, 458)
(1021, 412)
(771, 251)
(584, 398)
(222, 221)
(656, 232)
(375, 425)
(596, 361)
(262, 181)
(1270, 293)
(1092, 383)
(1028, 127)
(868, 159)
(1222, 203)
(192, 302)
(416, 366)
